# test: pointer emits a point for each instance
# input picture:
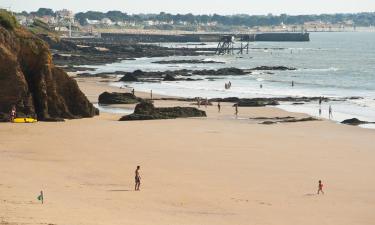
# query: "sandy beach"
(197, 171)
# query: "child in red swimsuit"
(320, 187)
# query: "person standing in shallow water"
(137, 179)
(330, 115)
(320, 187)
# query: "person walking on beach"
(133, 91)
(137, 179)
(236, 110)
(206, 103)
(218, 107)
(320, 187)
(199, 102)
(151, 94)
(330, 115)
(13, 113)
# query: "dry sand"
(215, 170)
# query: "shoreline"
(166, 100)
(215, 170)
(307, 109)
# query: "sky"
(225, 7)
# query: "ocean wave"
(320, 70)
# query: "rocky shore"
(71, 53)
(32, 83)
(147, 111)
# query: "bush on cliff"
(7, 20)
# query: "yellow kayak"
(24, 120)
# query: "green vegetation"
(359, 19)
(41, 28)
(7, 20)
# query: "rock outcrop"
(30, 81)
(118, 98)
(355, 122)
(147, 111)
(256, 102)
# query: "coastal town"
(69, 23)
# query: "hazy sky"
(199, 6)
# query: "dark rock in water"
(222, 71)
(288, 119)
(256, 102)
(30, 81)
(273, 68)
(169, 77)
(299, 120)
(118, 98)
(147, 111)
(129, 77)
(355, 122)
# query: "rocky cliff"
(29, 79)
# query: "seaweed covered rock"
(129, 77)
(147, 111)
(30, 81)
(355, 122)
(118, 98)
(169, 77)
(256, 102)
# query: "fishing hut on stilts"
(226, 45)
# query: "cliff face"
(29, 80)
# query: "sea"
(335, 65)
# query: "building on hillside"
(65, 15)
(93, 22)
(106, 21)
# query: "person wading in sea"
(137, 179)
(330, 114)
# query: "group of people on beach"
(330, 111)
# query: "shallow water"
(331, 64)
